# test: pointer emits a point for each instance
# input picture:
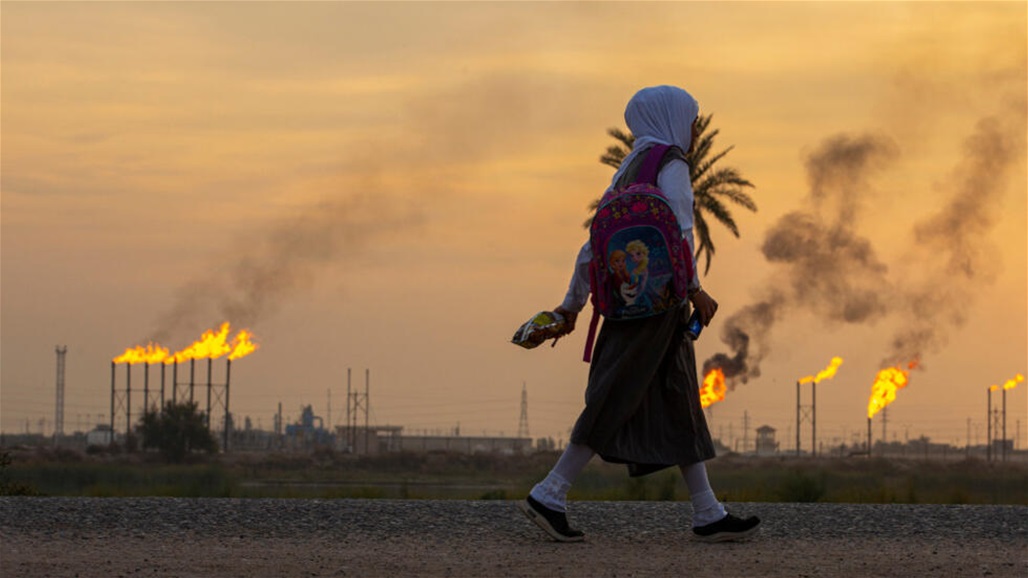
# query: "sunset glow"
(396, 186)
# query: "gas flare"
(1012, 383)
(713, 388)
(826, 373)
(211, 345)
(150, 353)
(886, 384)
(242, 345)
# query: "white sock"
(573, 461)
(705, 506)
(552, 492)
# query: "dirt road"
(106, 537)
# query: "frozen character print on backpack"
(620, 278)
(640, 255)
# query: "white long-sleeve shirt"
(674, 181)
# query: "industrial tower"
(61, 350)
(523, 420)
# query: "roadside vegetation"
(328, 474)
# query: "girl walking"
(642, 405)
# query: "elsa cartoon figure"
(640, 255)
(621, 279)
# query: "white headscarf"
(659, 115)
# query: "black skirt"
(642, 404)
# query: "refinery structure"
(146, 378)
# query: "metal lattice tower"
(523, 420)
(806, 413)
(59, 412)
(355, 405)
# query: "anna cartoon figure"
(621, 279)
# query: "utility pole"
(355, 403)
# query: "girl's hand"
(705, 304)
(569, 319)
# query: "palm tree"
(711, 186)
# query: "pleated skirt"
(642, 403)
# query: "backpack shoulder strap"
(651, 164)
(645, 168)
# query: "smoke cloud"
(827, 265)
(750, 326)
(953, 245)
(455, 127)
(283, 259)
(824, 264)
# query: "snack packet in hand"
(544, 325)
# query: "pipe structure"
(868, 436)
(1003, 453)
(797, 419)
(988, 423)
(813, 419)
(128, 402)
(209, 363)
(113, 368)
(349, 434)
(146, 387)
(367, 406)
(228, 375)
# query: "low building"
(766, 444)
(377, 440)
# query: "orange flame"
(887, 383)
(242, 345)
(211, 345)
(713, 389)
(826, 373)
(151, 353)
(1012, 383)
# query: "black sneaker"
(552, 522)
(727, 529)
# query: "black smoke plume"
(824, 264)
(827, 266)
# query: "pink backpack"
(641, 264)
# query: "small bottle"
(694, 326)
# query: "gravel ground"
(369, 538)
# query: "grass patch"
(329, 475)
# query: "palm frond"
(713, 206)
(704, 245)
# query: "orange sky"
(408, 180)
